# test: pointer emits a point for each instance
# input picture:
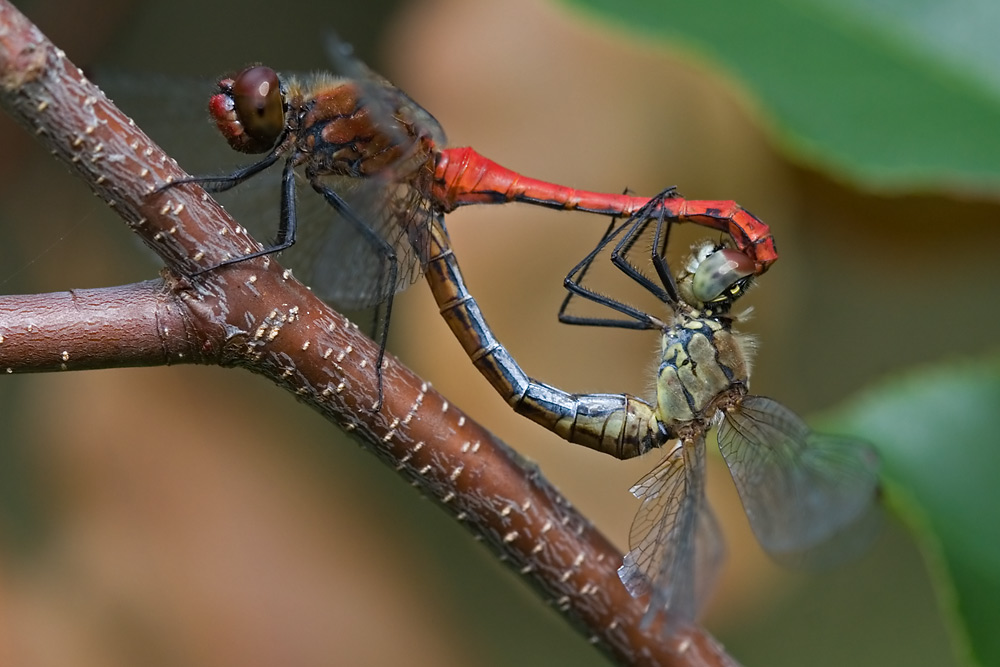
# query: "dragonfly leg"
(228, 182)
(287, 223)
(636, 225)
(659, 252)
(631, 231)
(388, 278)
(574, 286)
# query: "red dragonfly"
(377, 158)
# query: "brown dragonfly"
(811, 499)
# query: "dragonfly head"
(715, 276)
(249, 109)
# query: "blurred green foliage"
(891, 94)
(937, 432)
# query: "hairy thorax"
(703, 365)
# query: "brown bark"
(256, 315)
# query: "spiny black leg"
(660, 259)
(573, 283)
(620, 258)
(287, 223)
(387, 283)
(223, 183)
(631, 231)
(640, 221)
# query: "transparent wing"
(811, 499)
(675, 544)
(342, 264)
(379, 94)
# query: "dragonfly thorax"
(338, 134)
(703, 363)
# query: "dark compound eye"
(256, 94)
(718, 272)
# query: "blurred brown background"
(199, 516)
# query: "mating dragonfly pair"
(375, 157)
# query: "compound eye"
(256, 94)
(718, 272)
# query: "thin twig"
(254, 314)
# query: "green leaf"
(937, 432)
(889, 94)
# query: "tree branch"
(132, 325)
(255, 315)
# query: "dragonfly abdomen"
(620, 425)
(616, 424)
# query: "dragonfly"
(811, 499)
(377, 158)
